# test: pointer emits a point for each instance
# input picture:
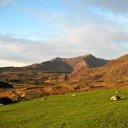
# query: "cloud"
(103, 40)
(26, 51)
(117, 6)
(5, 2)
(50, 16)
(84, 11)
(5, 63)
(101, 33)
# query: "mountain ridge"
(86, 70)
(114, 72)
(69, 64)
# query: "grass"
(91, 109)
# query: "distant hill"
(86, 70)
(69, 64)
(54, 65)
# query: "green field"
(91, 109)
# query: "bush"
(5, 85)
(5, 100)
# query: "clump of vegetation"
(5, 85)
(5, 101)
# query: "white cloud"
(104, 40)
(100, 33)
(27, 51)
(5, 63)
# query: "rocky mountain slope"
(69, 64)
(61, 75)
(115, 72)
(82, 71)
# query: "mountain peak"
(87, 56)
(70, 64)
(56, 59)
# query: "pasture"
(92, 109)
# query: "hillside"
(80, 71)
(49, 71)
(88, 73)
(115, 72)
(69, 64)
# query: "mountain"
(61, 75)
(54, 65)
(49, 71)
(115, 72)
(82, 71)
(69, 64)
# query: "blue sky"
(35, 31)
(16, 21)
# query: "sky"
(33, 31)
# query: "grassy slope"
(91, 109)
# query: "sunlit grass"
(91, 109)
